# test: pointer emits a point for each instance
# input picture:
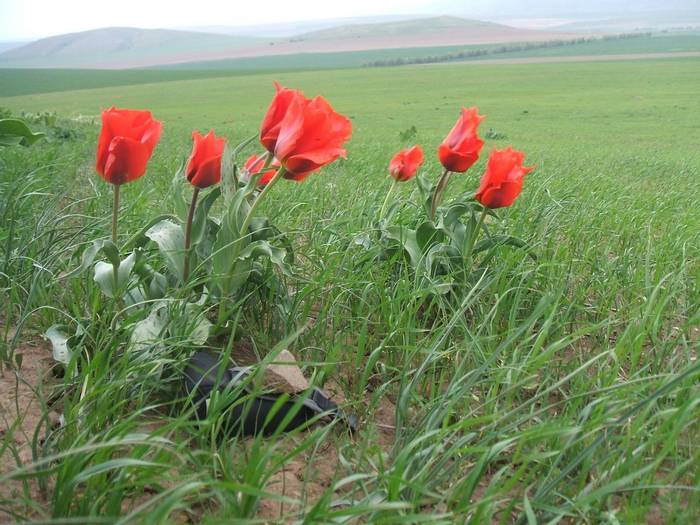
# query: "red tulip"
(270, 127)
(405, 163)
(204, 166)
(460, 149)
(126, 142)
(503, 179)
(253, 166)
(311, 135)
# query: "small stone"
(284, 375)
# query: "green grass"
(562, 390)
(657, 43)
(14, 82)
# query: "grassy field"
(14, 82)
(657, 43)
(563, 390)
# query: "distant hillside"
(403, 28)
(120, 48)
(116, 47)
(6, 46)
(289, 29)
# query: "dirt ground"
(23, 421)
(307, 481)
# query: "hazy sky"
(27, 19)
(21, 19)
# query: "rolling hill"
(121, 48)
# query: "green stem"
(188, 235)
(115, 213)
(244, 232)
(439, 191)
(386, 199)
(256, 202)
(475, 233)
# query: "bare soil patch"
(307, 478)
(24, 421)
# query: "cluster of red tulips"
(502, 181)
(299, 136)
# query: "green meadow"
(14, 82)
(558, 390)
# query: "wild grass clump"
(556, 389)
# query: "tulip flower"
(503, 178)
(402, 167)
(203, 170)
(255, 164)
(311, 135)
(304, 135)
(459, 151)
(405, 163)
(204, 165)
(126, 142)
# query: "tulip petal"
(207, 173)
(126, 160)
(291, 129)
(272, 122)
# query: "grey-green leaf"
(16, 132)
(59, 343)
(171, 242)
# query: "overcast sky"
(28, 19)
(35, 18)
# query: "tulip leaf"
(229, 241)
(201, 327)
(101, 245)
(139, 239)
(201, 215)
(455, 211)
(149, 330)
(425, 189)
(58, 338)
(158, 286)
(427, 235)
(229, 179)
(14, 132)
(503, 240)
(171, 243)
(178, 192)
(113, 278)
(264, 249)
(407, 239)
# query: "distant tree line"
(498, 50)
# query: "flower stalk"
(475, 233)
(386, 199)
(439, 191)
(260, 197)
(188, 235)
(115, 213)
